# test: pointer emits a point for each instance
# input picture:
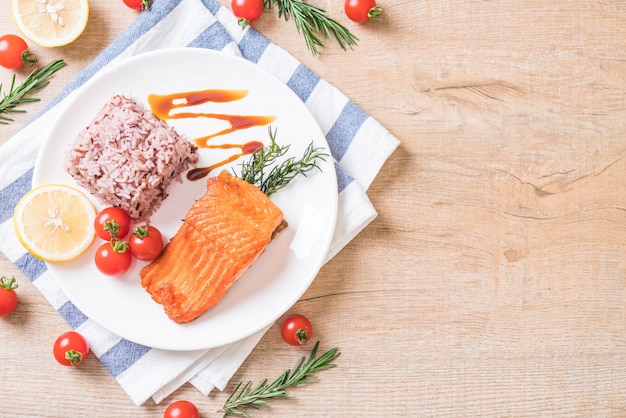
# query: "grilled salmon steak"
(223, 233)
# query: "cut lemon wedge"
(51, 23)
(54, 222)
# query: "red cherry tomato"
(113, 258)
(181, 409)
(247, 11)
(112, 222)
(14, 52)
(8, 297)
(138, 4)
(296, 329)
(362, 10)
(70, 349)
(146, 242)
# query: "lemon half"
(51, 23)
(54, 222)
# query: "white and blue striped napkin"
(359, 144)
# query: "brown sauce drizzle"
(162, 106)
(246, 149)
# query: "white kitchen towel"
(359, 144)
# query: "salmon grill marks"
(223, 233)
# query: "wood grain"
(491, 284)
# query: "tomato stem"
(74, 357)
(119, 246)
(112, 227)
(375, 12)
(243, 22)
(140, 231)
(7, 284)
(28, 58)
(302, 336)
(146, 4)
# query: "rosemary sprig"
(313, 23)
(253, 171)
(248, 396)
(35, 81)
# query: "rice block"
(127, 157)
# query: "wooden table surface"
(492, 283)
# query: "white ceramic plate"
(286, 269)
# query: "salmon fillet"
(223, 233)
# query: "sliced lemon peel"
(51, 23)
(54, 222)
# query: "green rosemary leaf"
(35, 81)
(253, 170)
(313, 23)
(245, 396)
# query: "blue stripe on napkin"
(122, 356)
(212, 5)
(32, 267)
(343, 178)
(303, 81)
(252, 45)
(345, 128)
(10, 195)
(214, 37)
(72, 314)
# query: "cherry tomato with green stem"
(113, 258)
(296, 329)
(181, 409)
(112, 222)
(8, 296)
(361, 11)
(70, 349)
(140, 5)
(246, 11)
(14, 52)
(145, 242)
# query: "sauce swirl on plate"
(163, 105)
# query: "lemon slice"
(50, 23)
(54, 222)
